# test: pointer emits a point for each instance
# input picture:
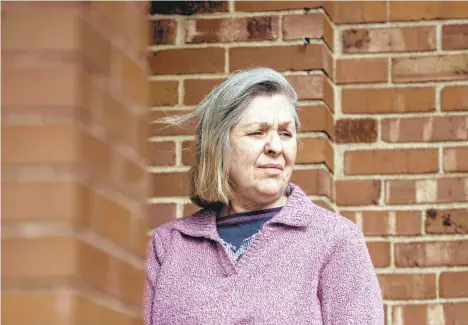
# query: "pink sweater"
(306, 266)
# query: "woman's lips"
(272, 166)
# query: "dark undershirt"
(236, 228)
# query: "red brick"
(188, 153)
(380, 40)
(329, 33)
(455, 37)
(170, 184)
(454, 221)
(408, 10)
(162, 153)
(37, 83)
(220, 30)
(299, 26)
(163, 31)
(348, 12)
(164, 93)
(313, 181)
(408, 286)
(255, 6)
(369, 192)
(350, 70)
(376, 223)
(408, 223)
(190, 208)
(315, 151)
(156, 129)
(32, 144)
(441, 190)
(282, 58)
(430, 68)
(329, 94)
(455, 159)
(197, 89)
(391, 161)
(160, 213)
(356, 130)
(388, 100)
(379, 253)
(453, 284)
(316, 118)
(185, 61)
(134, 79)
(433, 253)
(324, 204)
(412, 314)
(350, 215)
(307, 86)
(425, 129)
(454, 98)
(454, 312)
(452, 190)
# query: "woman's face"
(263, 148)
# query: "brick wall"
(74, 134)
(383, 90)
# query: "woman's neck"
(241, 206)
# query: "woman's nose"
(274, 145)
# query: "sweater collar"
(297, 213)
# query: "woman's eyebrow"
(265, 124)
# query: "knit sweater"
(307, 265)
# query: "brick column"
(74, 184)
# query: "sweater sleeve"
(152, 270)
(349, 290)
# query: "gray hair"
(218, 112)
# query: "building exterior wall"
(75, 97)
(383, 90)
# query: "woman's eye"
(286, 134)
(256, 133)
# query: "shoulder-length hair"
(217, 113)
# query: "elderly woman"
(259, 252)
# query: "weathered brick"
(188, 128)
(258, 28)
(316, 118)
(329, 33)
(408, 286)
(356, 130)
(455, 159)
(351, 70)
(432, 253)
(453, 221)
(388, 100)
(430, 68)
(425, 129)
(385, 223)
(391, 161)
(378, 40)
(455, 312)
(408, 223)
(163, 31)
(190, 208)
(313, 181)
(187, 8)
(416, 314)
(185, 61)
(197, 89)
(348, 12)
(299, 26)
(455, 37)
(170, 184)
(255, 6)
(369, 192)
(307, 86)
(282, 58)
(454, 98)
(379, 253)
(162, 153)
(441, 190)
(164, 92)
(315, 151)
(414, 10)
(134, 80)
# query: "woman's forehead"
(268, 109)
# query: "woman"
(260, 252)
